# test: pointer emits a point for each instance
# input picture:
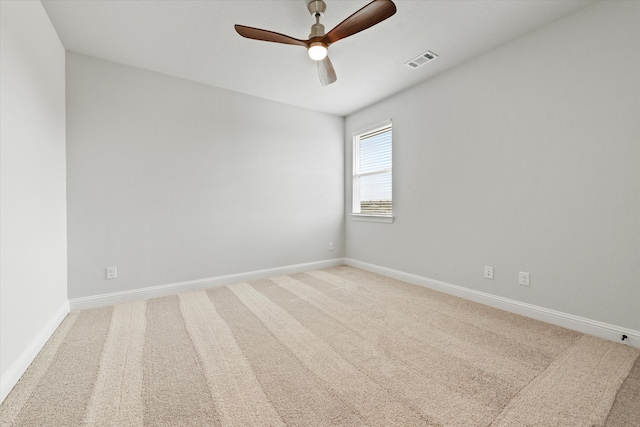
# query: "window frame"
(356, 136)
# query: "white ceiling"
(195, 40)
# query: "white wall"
(524, 159)
(174, 181)
(33, 241)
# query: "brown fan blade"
(370, 15)
(267, 36)
(326, 72)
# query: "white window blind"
(372, 172)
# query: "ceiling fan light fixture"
(317, 51)
(319, 41)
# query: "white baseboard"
(569, 321)
(174, 288)
(11, 377)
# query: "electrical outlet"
(112, 272)
(330, 246)
(488, 272)
(524, 279)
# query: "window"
(372, 195)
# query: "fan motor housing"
(317, 30)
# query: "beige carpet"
(332, 347)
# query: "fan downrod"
(317, 8)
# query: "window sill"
(372, 218)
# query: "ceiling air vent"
(422, 59)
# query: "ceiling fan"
(318, 43)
